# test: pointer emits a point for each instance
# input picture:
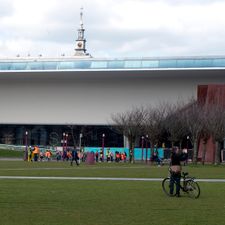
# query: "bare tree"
(215, 123)
(194, 121)
(72, 128)
(154, 124)
(130, 124)
(174, 123)
(205, 134)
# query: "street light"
(81, 135)
(103, 145)
(26, 148)
(66, 140)
(187, 141)
(64, 134)
(142, 147)
(146, 146)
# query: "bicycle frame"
(185, 179)
(188, 185)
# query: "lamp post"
(142, 148)
(81, 135)
(103, 145)
(66, 141)
(26, 148)
(187, 141)
(146, 146)
(64, 134)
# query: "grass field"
(85, 202)
(11, 153)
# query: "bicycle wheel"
(193, 189)
(166, 186)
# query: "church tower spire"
(80, 49)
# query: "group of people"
(69, 154)
(35, 154)
(110, 157)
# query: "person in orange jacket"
(36, 153)
(48, 155)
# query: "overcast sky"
(114, 28)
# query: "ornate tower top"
(81, 18)
(80, 49)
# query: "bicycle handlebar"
(184, 174)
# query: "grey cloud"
(156, 43)
(68, 21)
(62, 23)
(93, 15)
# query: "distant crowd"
(35, 154)
(79, 155)
(110, 156)
(69, 154)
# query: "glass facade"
(46, 135)
(111, 64)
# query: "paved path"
(100, 178)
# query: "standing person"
(125, 156)
(96, 156)
(48, 155)
(176, 158)
(185, 152)
(111, 156)
(74, 157)
(117, 156)
(36, 153)
(58, 155)
(101, 155)
(41, 156)
(122, 157)
(30, 150)
(108, 155)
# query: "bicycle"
(188, 185)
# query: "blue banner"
(139, 153)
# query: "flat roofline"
(116, 70)
(75, 58)
(110, 64)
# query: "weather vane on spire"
(81, 17)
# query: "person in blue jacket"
(74, 157)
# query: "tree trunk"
(133, 144)
(180, 145)
(131, 149)
(195, 152)
(172, 145)
(204, 152)
(152, 151)
(217, 153)
(146, 154)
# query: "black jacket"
(176, 158)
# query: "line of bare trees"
(175, 121)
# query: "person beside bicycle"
(175, 170)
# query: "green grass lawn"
(11, 154)
(78, 202)
(137, 170)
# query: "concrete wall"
(85, 97)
